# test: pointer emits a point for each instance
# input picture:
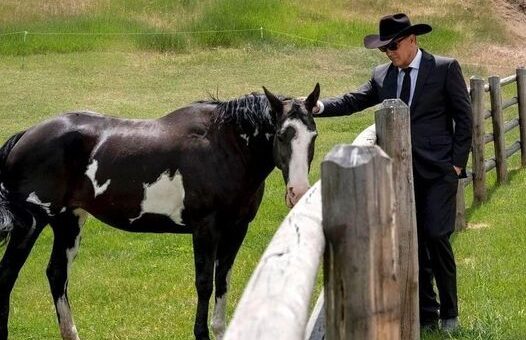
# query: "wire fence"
(262, 32)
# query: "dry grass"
(476, 226)
(20, 11)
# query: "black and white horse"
(198, 170)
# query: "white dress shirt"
(415, 66)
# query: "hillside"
(67, 26)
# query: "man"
(434, 89)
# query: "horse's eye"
(286, 135)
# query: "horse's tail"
(7, 215)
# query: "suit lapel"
(426, 64)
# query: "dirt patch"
(477, 225)
(22, 10)
(499, 59)
(503, 59)
(514, 14)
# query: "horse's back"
(53, 157)
(48, 154)
(126, 172)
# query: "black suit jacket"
(439, 99)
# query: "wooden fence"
(367, 237)
(481, 165)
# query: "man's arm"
(462, 116)
(366, 96)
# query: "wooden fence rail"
(275, 303)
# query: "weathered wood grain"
(360, 272)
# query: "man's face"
(404, 53)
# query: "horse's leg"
(205, 245)
(66, 228)
(22, 239)
(226, 253)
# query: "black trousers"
(435, 213)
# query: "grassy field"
(140, 286)
(61, 25)
(113, 265)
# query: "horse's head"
(294, 141)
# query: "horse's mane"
(250, 111)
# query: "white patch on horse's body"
(81, 214)
(68, 330)
(33, 198)
(91, 172)
(245, 137)
(219, 318)
(165, 197)
(299, 160)
(71, 253)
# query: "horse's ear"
(275, 103)
(312, 99)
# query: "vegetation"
(140, 286)
(162, 25)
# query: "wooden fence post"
(521, 96)
(498, 129)
(360, 263)
(394, 137)
(477, 155)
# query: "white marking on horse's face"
(91, 171)
(268, 136)
(33, 198)
(298, 180)
(165, 197)
(68, 330)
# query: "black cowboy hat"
(393, 27)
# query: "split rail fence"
(480, 164)
(367, 235)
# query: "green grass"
(152, 25)
(490, 264)
(113, 266)
(140, 286)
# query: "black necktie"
(405, 93)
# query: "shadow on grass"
(490, 191)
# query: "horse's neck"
(255, 143)
(249, 122)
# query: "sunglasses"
(392, 46)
